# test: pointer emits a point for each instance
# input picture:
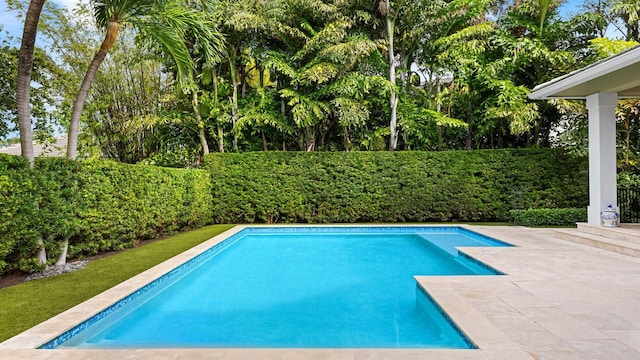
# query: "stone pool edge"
(471, 322)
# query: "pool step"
(626, 232)
(625, 247)
(443, 241)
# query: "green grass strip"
(26, 305)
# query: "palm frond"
(466, 34)
(271, 119)
(172, 42)
(348, 52)
(333, 33)
(350, 113)
(443, 120)
(356, 86)
(275, 61)
(306, 111)
(318, 73)
(119, 10)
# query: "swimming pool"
(293, 287)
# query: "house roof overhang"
(619, 74)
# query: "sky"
(13, 25)
(569, 8)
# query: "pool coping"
(471, 322)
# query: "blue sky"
(569, 8)
(13, 26)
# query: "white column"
(602, 154)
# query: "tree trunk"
(393, 98)
(234, 96)
(78, 105)
(42, 252)
(23, 85)
(627, 138)
(64, 247)
(309, 139)
(201, 133)
(220, 138)
(74, 125)
(283, 111)
(265, 145)
(215, 97)
(438, 109)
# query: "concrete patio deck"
(559, 300)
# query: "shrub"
(392, 186)
(628, 180)
(97, 205)
(546, 217)
(16, 210)
(123, 203)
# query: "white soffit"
(619, 73)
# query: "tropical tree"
(424, 116)
(595, 18)
(159, 22)
(23, 92)
(526, 47)
(206, 45)
(326, 85)
(251, 28)
(8, 74)
(125, 127)
(46, 75)
(23, 84)
(390, 14)
(629, 12)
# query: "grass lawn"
(25, 305)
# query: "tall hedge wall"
(98, 205)
(392, 186)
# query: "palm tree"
(23, 86)
(162, 23)
(23, 92)
(629, 13)
(207, 47)
(385, 10)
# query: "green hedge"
(16, 207)
(97, 205)
(392, 186)
(546, 217)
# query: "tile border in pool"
(467, 257)
(59, 340)
(446, 317)
(77, 318)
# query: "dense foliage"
(96, 205)
(327, 75)
(392, 186)
(546, 217)
(16, 210)
(43, 98)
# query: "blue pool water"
(309, 287)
